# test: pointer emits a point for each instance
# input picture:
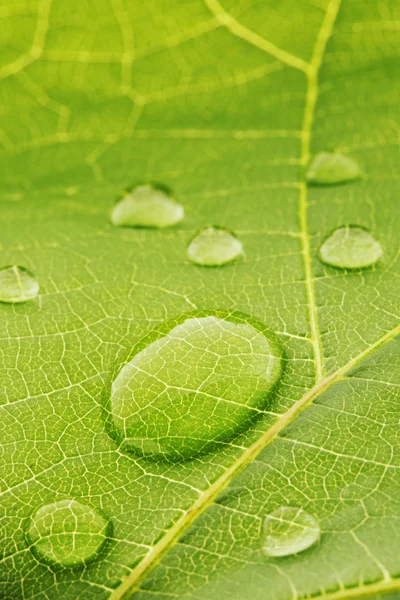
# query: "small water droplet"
(350, 247)
(288, 531)
(150, 205)
(214, 246)
(17, 284)
(68, 533)
(194, 382)
(330, 168)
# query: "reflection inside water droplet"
(214, 246)
(350, 247)
(149, 205)
(330, 168)
(195, 382)
(288, 531)
(17, 284)
(67, 532)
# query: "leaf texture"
(226, 103)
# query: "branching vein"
(253, 38)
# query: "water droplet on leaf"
(350, 247)
(17, 284)
(214, 246)
(194, 382)
(67, 532)
(147, 206)
(288, 531)
(330, 168)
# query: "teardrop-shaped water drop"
(194, 382)
(350, 247)
(150, 205)
(330, 168)
(68, 533)
(17, 284)
(214, 246)
(288, 531)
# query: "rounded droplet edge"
(313, 183)
(31, 275)
(351, 269)
(100, 553)
(160, 331)
(236, 259)
(288, 555)
(161, 187)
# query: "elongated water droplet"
(68, 533)
(149, 205)
(288, 531)
(330, 168)
(214, 246)
(17, 284)
(194, 382)
(350, 247)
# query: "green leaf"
(225, 104)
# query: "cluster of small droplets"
(153, 206)
(348, 246)
(69, 532)
(290, 530)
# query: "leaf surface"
(225, 103)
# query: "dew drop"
(193, 383)
(350, 247)
(330, 168)
(149, 205)
(214, 246)
(288, 531)
(17, 284)
(67, 533)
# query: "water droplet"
(194, 382)
(214, 246)
(350, 247)
(288, 531)
(330, 168)
(149, 205)
(68, 532)
(17, 284)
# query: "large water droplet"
(17, 284)
(149, 205)
(288, 531)
(214, 246)
(68, 533)
(330, 168)
(350, 247)
(194, 382)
